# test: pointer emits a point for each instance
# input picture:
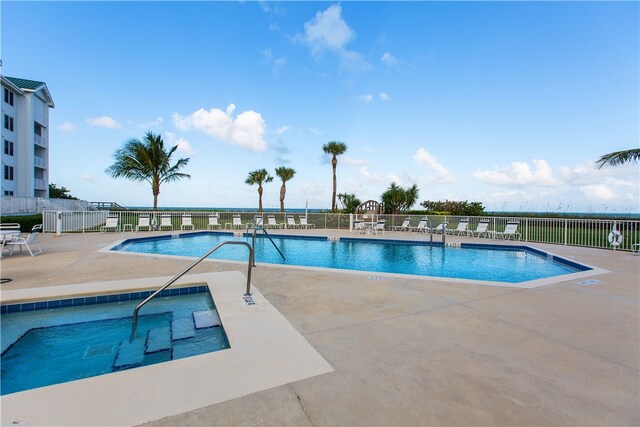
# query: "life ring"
(615, 238)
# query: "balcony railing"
(39, 184)
(39, 162)
(40, 140)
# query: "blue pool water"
(478, 262)
(51, 346)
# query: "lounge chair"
(111, 224)
(406, 225)
(258, 221)
(237, 222)
(165, 221)
(379, 227)
(213, 222)
(480, 230)
(143, 222)
(360, 227)
(291, 222)
(511, 230)
(462, 228)
(441, 228)
(24, 241)
(186, 222)
(304, 223)
(271, 222)
(422, 226)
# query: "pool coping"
(529, 284)
(266, 351)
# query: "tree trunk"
(334, 163)
(260, 198)
(283, 190)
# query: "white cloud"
(442, 174)
(328, 31)
(282, 129)
(67, 127)
(388, 59)
(246, 130)
(520, 173)
(351, 161)
(395, 178)
(104, 122)
(598, 192)
(182, 143)
(152, 124)
(366, 98)
(384, 96)
(276, 62)
(368, 176)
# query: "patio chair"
(480, 230)
(237, 221)
(24, 241)
(186, 222)
(441, 228)
(304, 223)
(422, 226)
(258, 221)
(406, 225)
(379, 227)
(111, 224)
(291, 222)
(165, 221)
(271, 222)
(511, 230)
(143, 222)
(462, 228)
(213, 221)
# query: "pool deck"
(412, 351)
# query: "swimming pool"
(497, 263)
(56, 341)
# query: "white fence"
(593, 233)
(32, 205)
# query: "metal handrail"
(253, 241)
(186, 270)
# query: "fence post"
(59, 223)
(565, 231)
(526, 229)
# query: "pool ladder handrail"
(186, 270)
(253, 242)
(444, 232)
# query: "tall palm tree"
(335, 148)
(259, 177)
(411, 195)
(285, 175)
(147, 160)
(619, 158)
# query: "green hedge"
(26, 221)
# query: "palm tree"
(147, 160)
(397, 199)
(619, 158)
(349, 202)
(335, 148)
(285, 175)
(260, 176)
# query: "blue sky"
(505, 103)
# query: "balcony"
(39, 162)
(39, 184)
(40, 140)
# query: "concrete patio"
(414, 351)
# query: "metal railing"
(593, 233)
(253, 242)
(186, 270)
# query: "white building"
(25, 138)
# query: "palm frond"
(619, 158)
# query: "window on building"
(8, 96)
(8, 122)
(8, 193)
(8, 148)
(8, 173)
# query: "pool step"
(158, 339)
(129, 353)
(182, 329)
(206, 319)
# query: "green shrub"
(26, 221)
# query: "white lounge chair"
(291, 222)
(441, 228)
(360, 227)
(258, 221)
(165, 222)
(237, 222)
(271, 222)
(406, 225)
(213, 222)
(379, 227)
(186, 222)
(462, 228)
(24, 241)
(511, 230)
(304, 223)
(481, 229)
(422, 226)
(111, 224)
(143, 222)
